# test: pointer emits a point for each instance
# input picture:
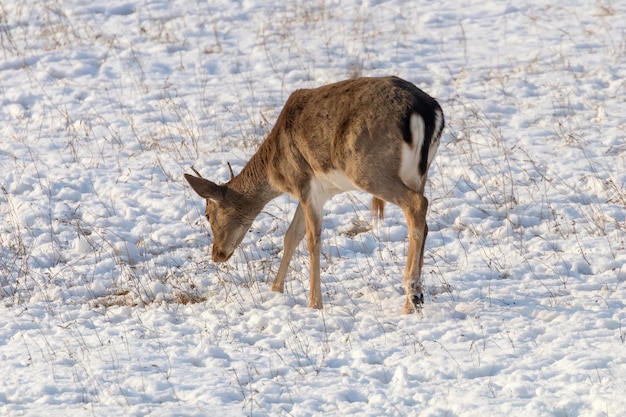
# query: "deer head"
(228, 219)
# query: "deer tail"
(378, 209)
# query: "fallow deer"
(373, 134)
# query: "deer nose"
(220, 256)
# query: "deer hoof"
(418, 300)
(277, 288)
(317, 304)
(413, 304)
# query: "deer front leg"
(418, 230)
(293, 236)
(313, 237)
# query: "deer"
(376, 134)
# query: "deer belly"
(327, 185)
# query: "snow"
(110, 304)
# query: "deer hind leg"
(416, 219)
(293, 237)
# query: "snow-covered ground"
(110, 305)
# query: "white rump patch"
(411, 154)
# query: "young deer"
(374, 134)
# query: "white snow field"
(111, 306)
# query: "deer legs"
(314, 242)
(294, 235)
(305, 221)
(418, 230)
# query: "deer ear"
(205, 188)
(230, 171)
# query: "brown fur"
(358, 128)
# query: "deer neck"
(253, 185)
